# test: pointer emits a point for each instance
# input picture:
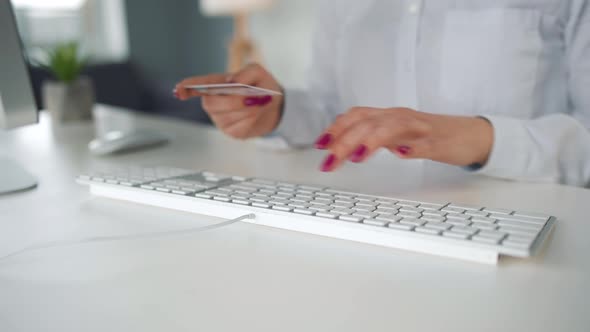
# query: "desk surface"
(252, 278)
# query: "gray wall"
(171, 39)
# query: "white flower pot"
(69, 102)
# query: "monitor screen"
(17, 103)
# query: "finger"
(349, 142)
(225, 120)
(184, 93)
(342, 123)
(220, 104)
(251, 75)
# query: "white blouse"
(522, 64)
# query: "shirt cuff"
(509, 157)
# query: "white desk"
(250, 278)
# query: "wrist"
(484, 136)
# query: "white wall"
(283, 34)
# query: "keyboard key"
(179, 192)
(320, 207)
(483, 220)
(409, 215)
(162, 189)
(407, 203)
(517, 230)
(541, 216)
(350, 218)
(404, 227)
(485, 226)
(429, 206)
(239, 196)
(465, 206)
(299, 205)
(368, 204)
(464, 229)
(342, 205)
(148, 187)
(382, 201)
(282, 208)
(453, 210)
(476, 213)
(457, 216)
(363, 208)
(202, 195)
(511, 223)
(492, 234)
(497, 211)
(530, 220)
(411, 221)
(455, 235)
(434, 213)
(324, 195)
(381, 210)
(432, 218)
(259, 199)
(303, 211)
(261, 205)
(426, 230)
(345, 201)
(221, 198)
(389, 218)
(326, 215)
(437, 225)
(299, 199)
(279, 201)
(240, 201)
(375, 222)
(364, 214)
(342, 211)
(322, 201)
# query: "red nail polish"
(251, 101)
(403, 150)
(358, 154)
(323, 141)
(328, 163)
(264, 100)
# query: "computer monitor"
(17, 103)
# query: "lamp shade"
(231, 7)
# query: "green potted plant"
(69, 96)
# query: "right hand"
(239, 116)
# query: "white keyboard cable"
(142, 236)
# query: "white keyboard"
(476, 233)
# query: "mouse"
(120, 141)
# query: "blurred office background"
(139, 48)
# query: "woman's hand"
(238, 116)
(357, 134)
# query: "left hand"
(357, 134)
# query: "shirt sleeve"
(307, 112)
(556, 147)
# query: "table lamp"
(242, 49)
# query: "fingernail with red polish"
(264, 100)
(403, 150)
(251, 101)
(358, 154)
(323, 141)
(328, 163)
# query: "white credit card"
(232, 89)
